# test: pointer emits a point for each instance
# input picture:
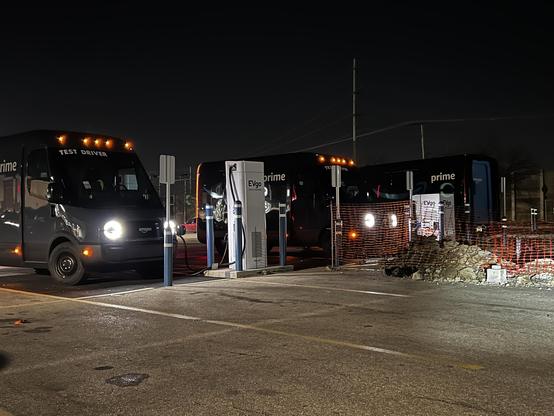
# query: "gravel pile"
(456, 262)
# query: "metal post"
(332, 236)
(238, 236)
(504, 231)
(410, 188)
(410, 218)
(467, 226)
(282, 234)
(210, 234)
(338, 241)
(354, 150)
(513, 196)
(337, 223)
(185, 218)
(168, 240)
(503, 190)
(534, 213)
(441, 223)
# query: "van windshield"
(98, 179)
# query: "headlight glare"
(369, 220)
(172, 226)
(113, 230)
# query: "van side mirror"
(181, 231)
(54, 193)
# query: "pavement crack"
(253, 300)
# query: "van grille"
(140, 230)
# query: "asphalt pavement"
(310, 342)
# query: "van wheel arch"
(57, 241)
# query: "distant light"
(353, 235)
(393, 220)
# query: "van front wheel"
(65, 264)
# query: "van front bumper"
(124, 255)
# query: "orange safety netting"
(380, 232)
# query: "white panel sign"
(336, 176)
(167, 169)
(409, 180)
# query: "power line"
(295, 139)
(321, 114)
(420, 122)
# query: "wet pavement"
(310, 342)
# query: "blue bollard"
(238, 236)
(168, 256)
(282, 234)
(210, 234)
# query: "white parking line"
(116, 293)
(336, 289)
(218, 322)
(228, 324)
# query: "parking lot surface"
(312, 342)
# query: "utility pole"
(422, 142)
(184, 199)
(354, 150)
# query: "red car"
(190, 226)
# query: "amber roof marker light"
(61, 139)
(128, 145)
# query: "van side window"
(37, 173)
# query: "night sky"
(221, 83)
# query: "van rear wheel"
(65, 264)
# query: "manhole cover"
(125, 380)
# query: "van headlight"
(172, 226)
(369, 220)
(113, 230)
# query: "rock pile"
(452, 262)
(456, 262)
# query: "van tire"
(65, 264)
